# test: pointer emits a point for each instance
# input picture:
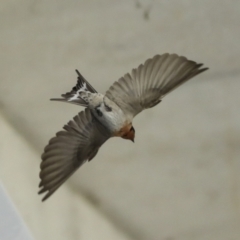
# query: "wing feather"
(151, 81)
(69, 149)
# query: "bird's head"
(129, 134)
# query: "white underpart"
(76, 95)
(113, 120)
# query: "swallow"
(109, 115)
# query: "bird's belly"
(114, 122)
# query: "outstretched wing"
(66, 152)
(74, 95)
(151, 81)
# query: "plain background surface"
(11, 224)
(180, 180)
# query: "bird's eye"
(108, 109)
(132, 129)
(99, 113)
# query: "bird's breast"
(111, 117)
(123, 130)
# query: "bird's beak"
(132, 140)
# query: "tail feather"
(74, 95)
(81, 82)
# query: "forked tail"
(74, 95)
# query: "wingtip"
(44, 198)
(204, 69)
(42, 191)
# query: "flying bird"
(109, 115)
